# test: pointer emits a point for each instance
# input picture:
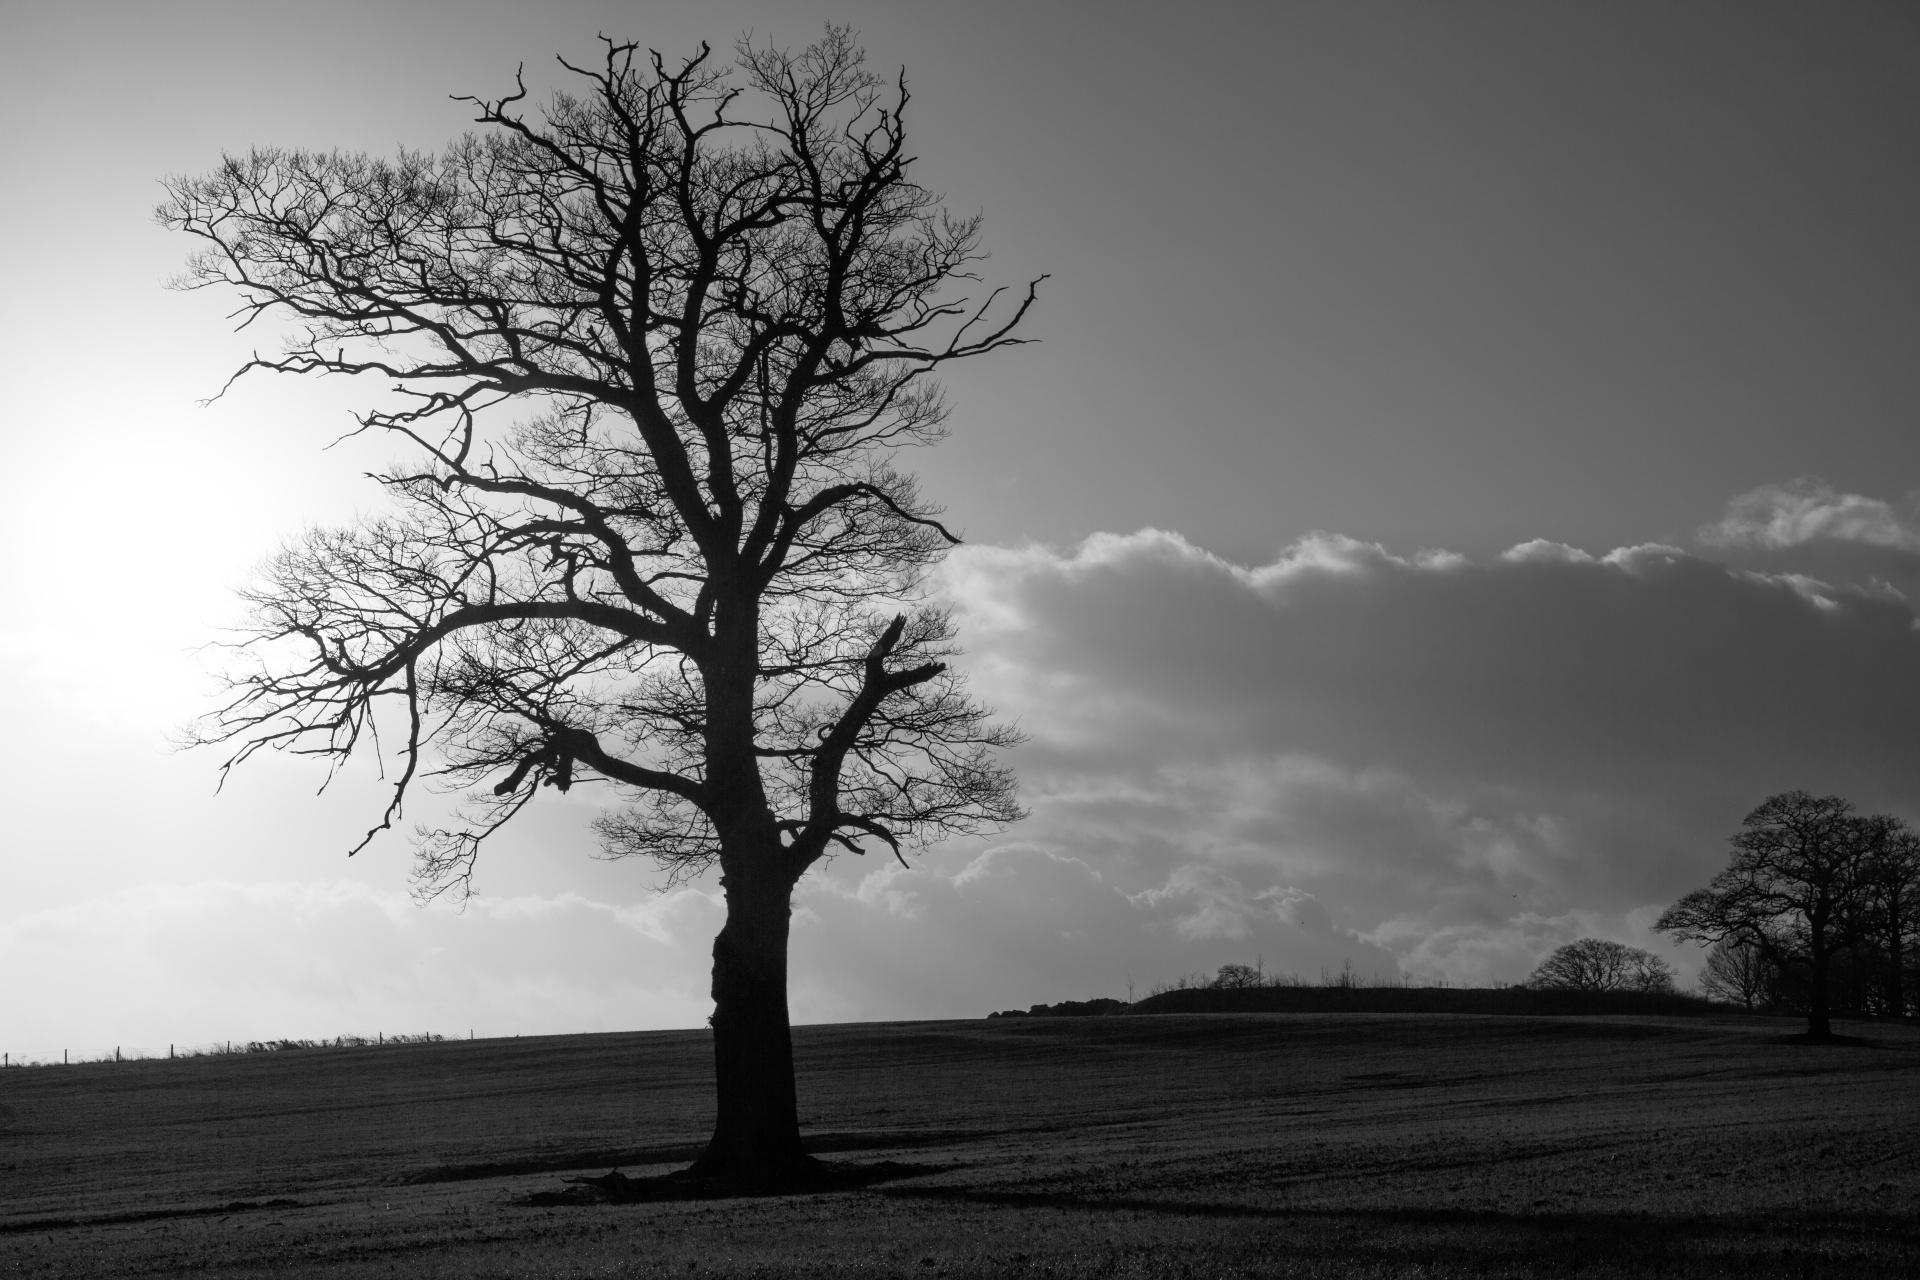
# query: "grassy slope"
(1277, 1144)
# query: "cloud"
(1808, 509)
(1466, 764)
(1821, 540)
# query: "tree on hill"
(1796, 890)
(1596, 964)
(1234, 977)
(651, 354)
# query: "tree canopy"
(1599, 964)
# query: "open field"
(1232, 1144)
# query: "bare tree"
(1597, 964)
(1235, 977)
(651, 353)
(1738, 973)
(1892, 893)
(1793, 890)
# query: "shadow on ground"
(828, 1176)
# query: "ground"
(1389, 1145)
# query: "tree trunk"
(756, 1135)
(1819, 1022)
(1896, 960)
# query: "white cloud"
(1808, 510)
(1821, 541)
(1541, 550)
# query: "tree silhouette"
(1794, 890)
(652, 353)
(1596, 964)
(1234, 977)
(1738, 973)
(1892, 893)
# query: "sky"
(1467, 462)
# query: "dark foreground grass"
(1275, 1145)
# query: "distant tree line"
(1229, 977)
(1817, 912)
(1067, 1009)
(1241, 977)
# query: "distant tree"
(1795, 890)
(1596, 964)
(1738, 973)
(1237, 976)
(651, 353)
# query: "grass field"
(1222, 1144)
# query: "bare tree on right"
(1798, 890)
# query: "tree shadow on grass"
(821, 1177)
(686, 1152)
(1836, 1041)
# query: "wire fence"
(211, 1049)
